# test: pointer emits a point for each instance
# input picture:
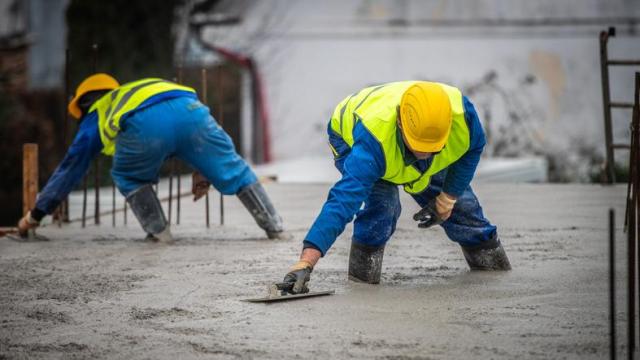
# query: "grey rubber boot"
(489, 256)
(146, 207)
(365, 263)
(256, 200)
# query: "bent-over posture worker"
(141, 124)
(425, 136)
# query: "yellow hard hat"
(425, 116)
(94, 82)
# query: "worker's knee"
(125, 184)
(231, 180)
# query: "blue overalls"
(168, 124)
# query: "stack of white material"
(321, 170)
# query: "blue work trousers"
(180, 127)
(376, 221)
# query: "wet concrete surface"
(103, 292)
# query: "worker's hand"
(297, 277)
(436, 211)
(27, 223)
(199, 185)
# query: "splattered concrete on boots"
(102, 292)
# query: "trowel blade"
(269, 299)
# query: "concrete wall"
(531, 67)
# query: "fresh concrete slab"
(103, 292)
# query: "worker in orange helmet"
(141, 124)
(424, 136)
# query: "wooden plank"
(8, 230)
(29, 176)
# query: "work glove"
(27, 223)
(199, 185)
(435, 212)
(296, 279)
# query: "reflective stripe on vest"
(376, 107)
(112, 107)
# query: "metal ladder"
(605, 62)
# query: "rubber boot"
(146, 207)
(365, 263)
(488, 256)
(256, 200)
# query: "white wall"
(544, 55)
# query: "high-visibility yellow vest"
(117, 103)
(376, 107)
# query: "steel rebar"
(113, 204)
(221, 115)
(179, 164)
(172, 171)
(97, 167)
(204, 98)
(64, 206)
(634, 172)
(84, 200)
(612, 283)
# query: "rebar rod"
(204, 98)
(221, 115)
(178, 185)
(172, 170)
(612, 283)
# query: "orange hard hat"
(94, 82)
(425, 116)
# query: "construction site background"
(531, 68)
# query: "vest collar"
(408, 157)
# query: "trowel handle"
(283, 286)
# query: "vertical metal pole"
(634, 170)
(97, 167)
(221, 113)
(64, 207)
(606, 106)
(172, 171)
(204, 98)
(84, 200)
(178, 185)
(178, 193)
(631, 313)
(113, 204)
(612, 283)
(125, 211)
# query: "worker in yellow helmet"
(141, 124)
(425, 136)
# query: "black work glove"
(295, 282)
(428, 216)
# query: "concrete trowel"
(278, 292)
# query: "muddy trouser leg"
(373, 227)
(141, 147)
(208, 148)
(468, 227)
